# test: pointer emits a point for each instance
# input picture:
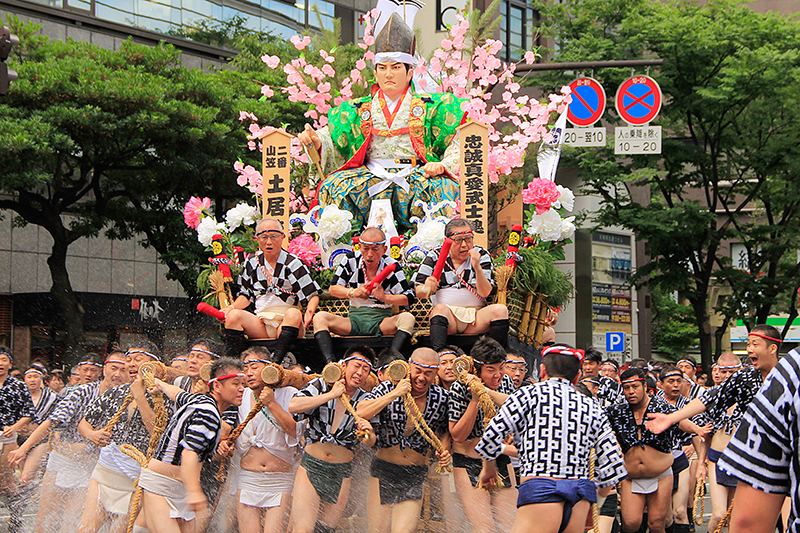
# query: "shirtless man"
(648, 457)
(172, 496)
(400, 466)
(264, 452)
(484, 510)
(322, 484)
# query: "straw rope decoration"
(699, 503)
(396, 371)
(725, 518)
(595, 508)
(148, 372)
(502, 275)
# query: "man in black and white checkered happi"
(459, 296)
(370, 303)
(274, 281)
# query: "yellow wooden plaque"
(474, 138)
(275, 161)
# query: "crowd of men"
(502, 451)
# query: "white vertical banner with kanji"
(474, 195)
(275, 154)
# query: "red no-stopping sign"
(638, 100)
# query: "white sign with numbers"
(637, 140)
(585, 136)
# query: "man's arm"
(660, 422)
(190, 475)
(169, 389)
(483, 284)
(369, 408)
(140, 396)
(303, 402)
(16, 456)
(285, 420)
(755, 511)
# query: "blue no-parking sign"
(615, 341)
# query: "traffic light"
(7, 41)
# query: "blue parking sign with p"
(615, 341)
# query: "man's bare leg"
(546, 518)
(405, 516)
(156, 511)
(276, 519)
(249, 517)
(93, 513)
(486, 315)
(720, 498)
(504, 507)
(246, 321)
(658, 504)
(476, 502)
(379, 517)
(680, 497)
(631, 507)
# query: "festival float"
(301, 187)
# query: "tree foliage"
(728, 168)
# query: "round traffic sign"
(588, 102)
(638, 100)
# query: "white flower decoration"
(206, 230)
(546, 227)
(429, 236)
(241, 214)
(334, 222)
(567, 228)
(566, 199)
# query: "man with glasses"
(459, 296)
(516, 367)
(370, 310)
(274, 281)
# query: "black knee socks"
(325, 343)
(285, 339)
(498, 330)
(438, 333)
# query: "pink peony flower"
(267, 91)
(244, 115)
(530, 57)
(541, 193)
(305, 248)
(194, 209)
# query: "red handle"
(382, 275)
(212, 311)
(443, 255)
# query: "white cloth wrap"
(263, 489)
(114, 489)
(458, 297)
(113, 458)
(70, 473)
(172, 490)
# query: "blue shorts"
(722, 478)
(566, 491)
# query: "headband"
(422, 365)
(773, 339)
(90, 363)
(462, 232)
(10, 357)
(142, 351)
(731, 367)
(34, 370)
(715, 365)
(610, 363)
(376, 243)
(592, 380)
(672, 373)
(357, 358)
(395, 57)
(255, 361)
(694, 365)
(562, 350)
(263, 231)
(212, 354)
(446, 352)
(226, 376)
(512, 362)
(631, 380)
(118, 361)
(180, 359)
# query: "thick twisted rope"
(413, 412)
(725, 518)
(595, 508)
(699, 502)
(147, 374)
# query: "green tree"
(728, 166)
(93, 134)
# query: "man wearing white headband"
(370, 311)
(394, 144)
(173, 496)
(400, 466)
(112, 485)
